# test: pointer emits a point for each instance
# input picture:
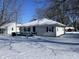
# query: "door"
(34, 29)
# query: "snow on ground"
(72, 32)
(37, 47)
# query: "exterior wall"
(41, 31)
(12, 28)
(60, 31)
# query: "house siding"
(59, 31)
(9, 28)
(42, 31)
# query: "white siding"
(59, 31)
(18, 29)
(41, 30)
(9, 28)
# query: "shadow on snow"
(37, 40)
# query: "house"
(69, 29)
(9, 28)
(44, 27)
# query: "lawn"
(38, 47)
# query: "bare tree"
(10, 10)
(60, 10)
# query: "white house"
(44, 27)
(9, 28)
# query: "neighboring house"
(44, 27)
(69, 29)
(9, 28)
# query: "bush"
(13, 34)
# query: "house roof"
(43, 21)
(9, 24)
(69, 28)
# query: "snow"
(9, 24)
(43, 21)
(72, 32)
(38, 47)
(69, 28)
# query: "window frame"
(49, 29)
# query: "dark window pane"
(12, 29)
(34, 29)
(29, 29)
(24, 29)
(47, 29)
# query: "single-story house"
(9, 28)
(69, 29)
(44, 27)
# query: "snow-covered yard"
(37, 47)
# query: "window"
(21, 29)
(24, 28)
(29, 29)
(49, 29)
(34, 29)
(12, 29)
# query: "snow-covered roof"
(43, 21)
(69, 28)
(9, 24)
(19, 25)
